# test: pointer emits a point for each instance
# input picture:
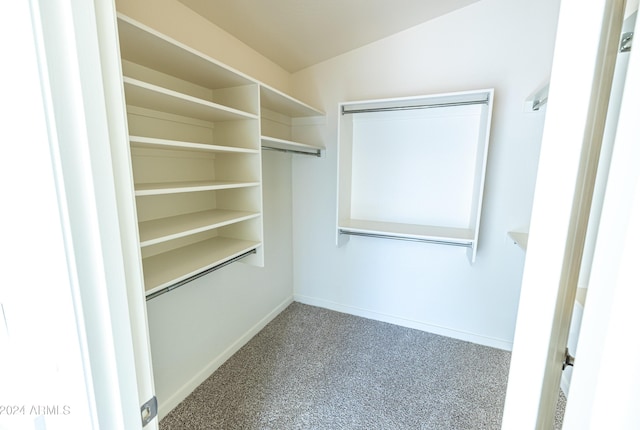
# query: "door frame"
(605, 390)
(580, 85)
(81, 78)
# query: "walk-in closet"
(356, 214)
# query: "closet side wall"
(196, 327)
(501, 44)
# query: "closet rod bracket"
(626, 42)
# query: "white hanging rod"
(199, 275)
(412, 107)
(316, 153)
(410, 239)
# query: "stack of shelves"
(195, 152)
(195, 137)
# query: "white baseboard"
(167, 405)
(418, 325)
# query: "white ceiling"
(299, 33)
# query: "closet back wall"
(194, 328)
(501, 44)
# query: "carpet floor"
(312, 368)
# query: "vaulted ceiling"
(296, 34)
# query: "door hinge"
(568, 359)
(626, 41)
(149, 410)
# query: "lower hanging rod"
(316, 153)
(412, 107)
(407, 238)
(199, 275)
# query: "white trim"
(404, 322)
(78, 55)
(109, 52)
(605, 385)
(578, 99)
(166, 405)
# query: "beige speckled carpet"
(312, 368)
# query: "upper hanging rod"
(412, 107)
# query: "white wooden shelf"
(278, 101)
(146, 95)
(519, 238)
(151, 142)
(188, 187)
(289, 145)
(166, 269)
(424, 233)
(164, 229)
(149, 48)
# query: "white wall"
(501, 44)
